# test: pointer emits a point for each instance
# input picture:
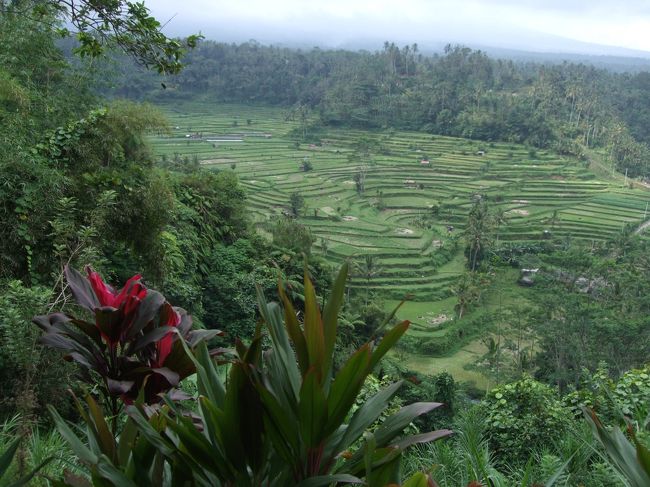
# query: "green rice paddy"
(538, 194)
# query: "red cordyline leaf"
(107, 296)
(164, 345)
(127, 301)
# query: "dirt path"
(642, 227)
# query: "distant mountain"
(514, 43)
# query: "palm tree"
(478, 233)
(367, 268)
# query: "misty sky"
(540, 25)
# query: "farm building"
(410, 183)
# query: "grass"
(454, 364)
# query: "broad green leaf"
(282, 425)
(331, 315)
(422, 438)
(418, 479)
(8, 456)
(619, 449)
(643, 455)
(395, 424)
(346, 387)
(314, 333)
(312, 410)
(195, 444)
(208, 381)
(286, 370)
(78, 447)
(325, 480)
(109, 472)
(126, 440)
(385, 468)
(387, 342)
(295, 332)
(104, 436)
(367, 414)
(149, 432)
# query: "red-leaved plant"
(133, 346)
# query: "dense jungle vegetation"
(461, 92)
(223, 356)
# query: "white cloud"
(511, 23)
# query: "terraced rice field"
(536, 193)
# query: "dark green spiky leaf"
(146, 428)
(126, 441)
(385, 468)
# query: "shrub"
(522, 417)
(30, 377)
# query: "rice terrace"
(403, 199)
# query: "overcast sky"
(541, 25)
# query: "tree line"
(568, 107)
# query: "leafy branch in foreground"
(102, 24)
(631, 459)
(283, 417)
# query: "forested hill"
(570, 108)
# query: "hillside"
(410, 215)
